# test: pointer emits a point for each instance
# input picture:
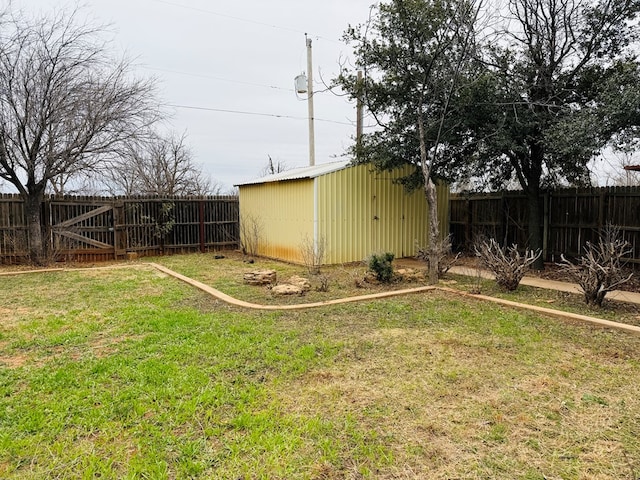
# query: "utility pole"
(312, 146)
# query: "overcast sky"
(212, 58)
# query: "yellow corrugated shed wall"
(344, 214)
(284, 213)
(361, 211)
(356, 211)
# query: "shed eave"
(301, 173)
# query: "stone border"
(302, 306)
(523, 306)
(299, 306)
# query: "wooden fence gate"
(83, 230)
(105, 228)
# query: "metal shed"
(353, 209)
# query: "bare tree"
(83, 183)
(159, 166)
(65, 104)
(619, 169)
(273, 168)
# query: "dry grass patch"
(130, 374)
(464, 404)
(32, 357)
(14, 361)
(10, 316)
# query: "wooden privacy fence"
(570, 218)
(102, 228)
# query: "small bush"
(380, 265)
(313, 253)
(600, 270)
(250, 235)
(507, 264)
(443, 255)
(323, 286)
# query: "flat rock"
(287, 289)
(410, 274)
(301, 282)
(260, 277)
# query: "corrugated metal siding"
(361, 211)
(345, 212)
(285, 213)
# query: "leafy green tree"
(561, 83)
(414, 55)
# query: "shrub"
(380, 264)
(600, 270)
(442, 252)
(250, 235)
(323, 286)
(313, 253)
(507, 264)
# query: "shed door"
(388, 226)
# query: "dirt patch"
(14, 361)
(10, 316)
(98, 348)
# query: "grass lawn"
(127, 373)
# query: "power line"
(257, 114)
(241, 19)
(198, 75)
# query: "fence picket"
(144, 225)
(572, 217)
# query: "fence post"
(601, 205)
(115, 219)
(48, 236)
(202, 239)
(467, 227)
(545, 227)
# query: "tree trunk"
(534, 174)
(33, 207)
(432, 204)
(431, 194)
(535, 225)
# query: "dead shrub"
(323, 285)
(442, 252)
(250, 235)
(600, 270)
(507, 264)
(313, 253)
